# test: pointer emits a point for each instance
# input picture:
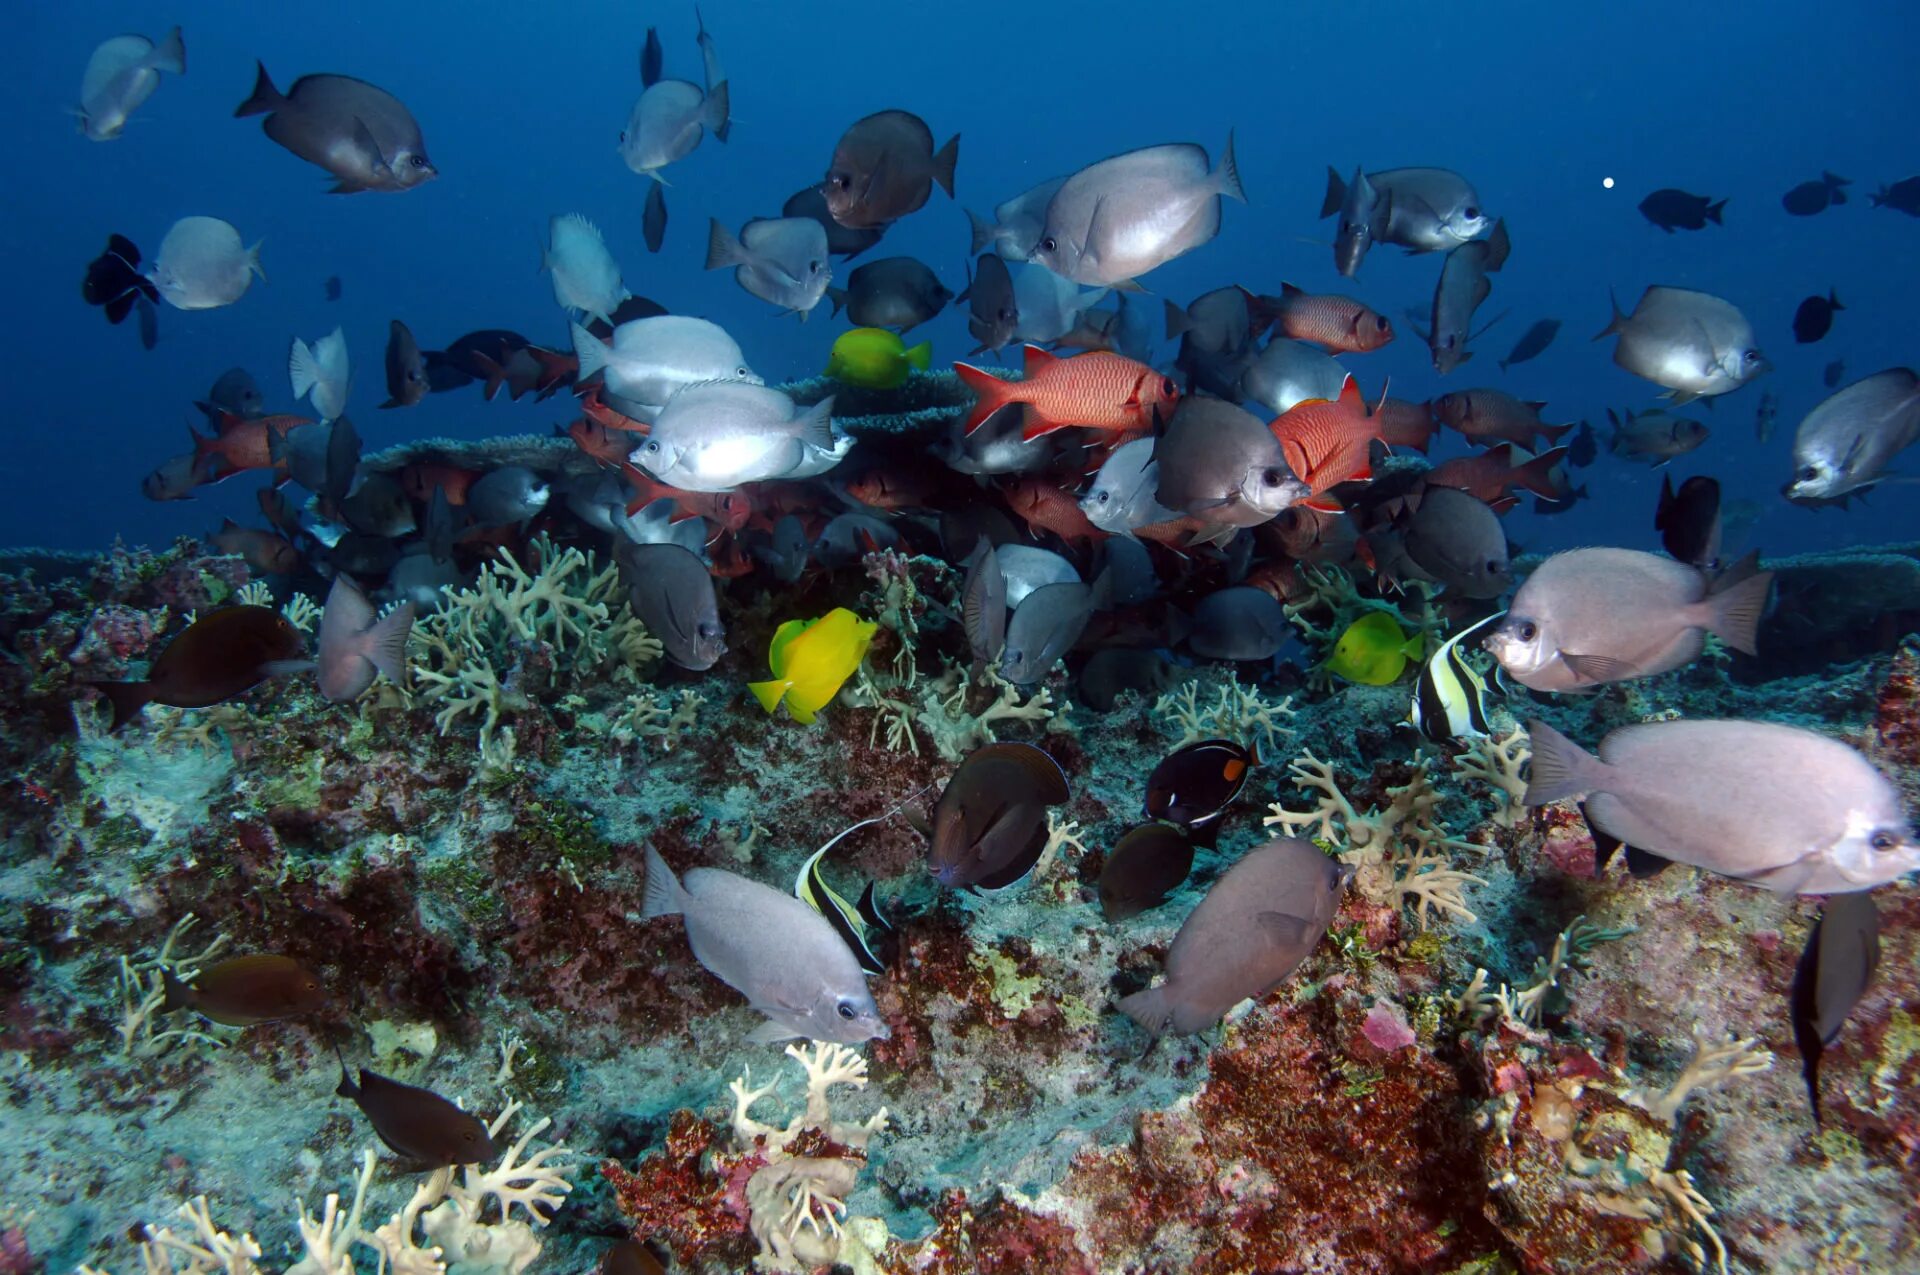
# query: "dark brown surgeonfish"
(243, 990)
(217, 657)
(1257, 923)
(1143, 868)
(630, 1257)
(417, 1123)
(1193, 786)
(883, 168)
(990, 823)
(1835, 969)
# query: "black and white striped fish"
(861, 926)
(1450, 697)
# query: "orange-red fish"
(726, 560)
(728, 510)
(1405, 424)
(531, 367)
(1490, 475)
(895, 488)
(1326, 443)
(243, 442)
(599, 413)
(418, 481)
(1098, 390)
(1307, 534)
(1341, 324)
(609, 446)
(1047, 508)
(1489, 416)
(264, 551)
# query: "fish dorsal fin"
(1037, 360)
(1350, 396)
(782, 639)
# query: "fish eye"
(1380, 323)
(419, 161)
(1494, 568)
(1167, 388)
(1101, 496)
(844, 1010)
(1271, 477)
(1473, 213)
(466, 1135)
(652, 445)
(740, 371)
(1529, 630)
(1810, 474)
(1049, 244)
(1884, 841)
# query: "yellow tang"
(811, 660)
(876, 359)
(1374, 650)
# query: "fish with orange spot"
(1326, 443)
(1046, 507)
(242, 442)
(1097, 390)
(1340, 324)
(1491, 475)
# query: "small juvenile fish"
(1689, 520)
(781, 260)
(355, 646)
(1449, 695)
(1192, 786)
(244, 990)
(322, 371)
(779, 953)
(418, 1123)
(1765, 415)
(223, 653)
(1261, 919)
(811, 661)
(406, 369)
(202, 265)
(121, 74)
(585, 275)
(1096, 390)
(1149, 862)
(990, 823)
(361, 134)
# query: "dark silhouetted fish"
(990, 823)
(1809, 198)
(1148, 863)
(1688, 520)
(332, 287)
(884, 167)
(1834, 373)
(1814, 318)
(1902, 196)
(894, 292)
(842, 241)
(406, 369)
(670, 591)
(653, 222)
(1673, 210)
(243, 990)
(1836, 967)
(993, 315)
(1582, 449)
(114, 281)
(1239, 623)
(1532, 343)
(220, 655)
(418, 1123)
(361, 134)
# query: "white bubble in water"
(1607, 182)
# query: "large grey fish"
(511, 493)
(983, 604)
(1456, 540)
(121, 74)
(993, 313)
(780, 954)
(884, 167)
(202, 265)
(781, 260)
(716, 435)
(355, 647)
(342, 465)
(1258, 922)
(1363, 214)
(671, 116)
(1029, 567)
(1782, 807)
(1845, 443)
(419, 579)
(406, 368)
(1240, 623)
(361, 134)
(650, 360)
(1532, 343)
(1421, 209)
(893, 292)
(237, 392)
(670, 591)
(1463, 286)
(1692, 343)
(1049, 306)
(1121, 496)
(1588, 616)
(1016, 224)
(1223, 465)
(842, 241)
(1289, 372)
(1655, 437)
(1124, 215)
(1043, 628)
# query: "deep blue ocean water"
(522, 105)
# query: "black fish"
(1809, 198)
(1902, 196)
(1194, 785)
(1673, 210)
(1584, 449)
(1836, 967)
(114, 281)
(842, 241)
(333, 287)
(1689, 520)
(1143, 868)
(1834, 373)
(1814, 318)
(1532, 343)
(653, 223)
(417, 1123)
(653, 60)
(220, 655)
(149, 323)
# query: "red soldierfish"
(1490, 475)
(1098, 390)
(1326, 443)
(1047, 508)
(729, 510)
(1340, 324)
(242, 442)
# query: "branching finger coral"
(1238, 713)
(143, 991)
(1497, 763)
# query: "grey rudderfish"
(1775, 805)
(1049, 306)
(1809, 198)
(771, 948)
(990, 822)
(781, 260)
(1688, 520)
(321, 373)
(509, 494)
(671, 116)
(993, 314)
(1693, 344)
(355, 646)
(670, 591)
(1655, 437)
(893, 292)
(1016, 224)
(716, 435)
(1846, 442)
(1257, 923)
(1588, 616)
(842, 241)
(1672, 209)
(361, 134)
(1043, 628)
(1834, 373)
(121, 74)
(1532, 343)
(1287, 373)
(1463, 286)
(650, 360)
(1029, 567)
(237, 392)
(1121, 496)
(1127, 214)
(1216, 334)
(884, 167)
(202, 265)
(1455, 538)
(1223, 465)
(1813, 318)
(406, 369)
(1239, 623)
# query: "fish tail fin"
(1713, 212)
(1536, 475)
(816, 427)
(126, 698)
(386, 642)
(723, 247)
(921, 356)
(665, 895)
(496, 375)
(170, 54)
(1179, 322)
(839, 298)
(590, 350)
(1554, 433)
(1336, 192)
(716, 114)
(1149, 1009)
(253, 260)
(769, 693)
(1739, 606)
(991, 393)
(179, 995)
(302, 369)
(1615, 324)
(944, 160)
(1833, 300)
(1561, 768)
(983, 234)
(265, 97)
(1227, 175)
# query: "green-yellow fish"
(1374, 651)
(876, 359)
(811, 660)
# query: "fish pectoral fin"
(1281, 930)
(364, 142)
(1642, 864)
(769, 1032)
(1597, 668)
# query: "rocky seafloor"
(1529, 1067)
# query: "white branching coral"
(941, 710)
(1399, 854)
(1545, 994)
(647, 715)
(143, 995)
(797, 1201)
(1712, 1064)
(1237, 713)
(1497, 763)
